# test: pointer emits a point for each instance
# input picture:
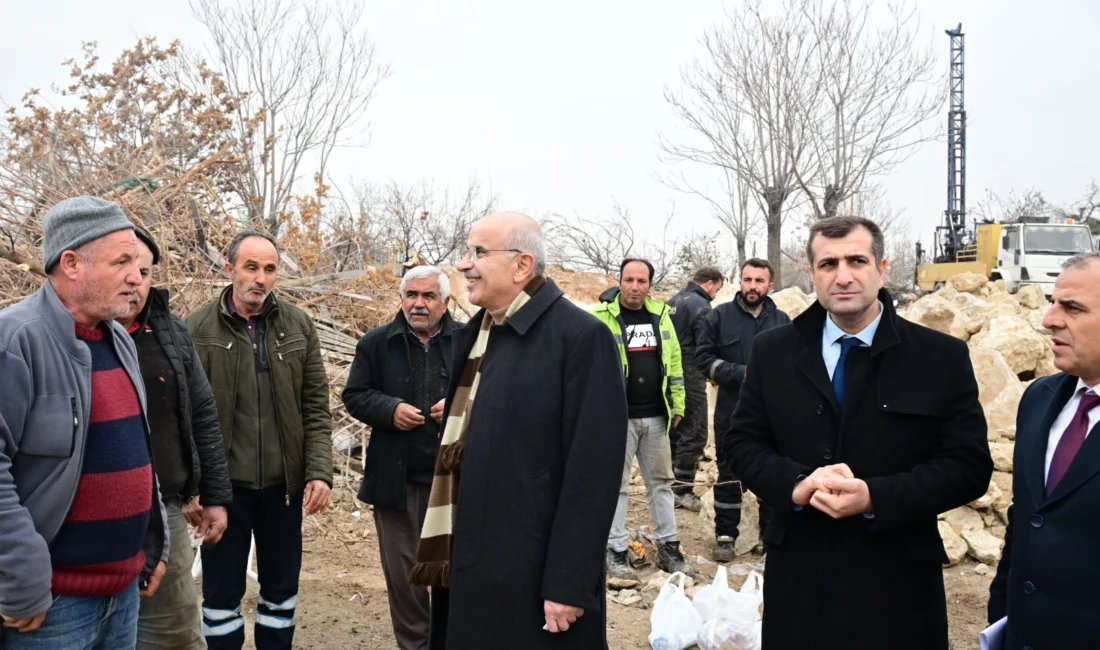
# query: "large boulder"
(980, 312)
(1036, 319)
(1031, 296)
(983, 546)
(939, 314)
(792, 301)
(1012, 336)
(999, 391)
(969, 282)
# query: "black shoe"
(723, 549)
(671, 560)
(689, 502)
(618, 565)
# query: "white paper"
(993, 637)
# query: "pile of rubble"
(1009, 348)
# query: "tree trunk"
(740, 254)
(775, 230)
(831, 202)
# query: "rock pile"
(1009, 348)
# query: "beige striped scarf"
(433, 557)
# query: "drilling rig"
(1027, 250)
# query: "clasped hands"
(834, 490)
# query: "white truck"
(1033, 253)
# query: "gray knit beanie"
(74, 222)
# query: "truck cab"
(1033, 253)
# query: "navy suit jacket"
(1048, 581)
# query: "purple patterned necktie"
(1071, 440)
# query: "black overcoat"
(381, 378)
(912, 429)
(539, 482)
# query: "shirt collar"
(1082, 386)
(865, 336)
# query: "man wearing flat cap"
(188, 453)
(83, 531)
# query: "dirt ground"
(342, 598)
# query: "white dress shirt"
(1061, 423)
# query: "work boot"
(723, 549)
(689, 502)
(618, 566)
(671, 560)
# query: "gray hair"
(235, 244)
(425, 272)
(529, 241)
(1081, 261)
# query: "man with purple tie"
(1047, 582)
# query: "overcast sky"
(558, 105)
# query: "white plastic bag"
(731, 619)
(715, 597)
(674, 623)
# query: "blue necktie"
(840, 372)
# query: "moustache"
(420, 311)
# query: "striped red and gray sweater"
(99, 549)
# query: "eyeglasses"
(477, 252)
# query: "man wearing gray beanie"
(83, 531)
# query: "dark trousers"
(689, 439)
(727, 494)
(277, 527)
(398, 538)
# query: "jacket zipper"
(279, 427)
(259, 420)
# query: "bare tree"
(306, 75)
(994, 207)
(739, 102)
(699, 250)
(429, 223)
(598, 243)
(877, 91)
(731, 206)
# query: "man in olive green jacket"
(263, 359)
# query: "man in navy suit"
(1048, 582)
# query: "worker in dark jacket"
(725, 340)
(858, 428)
(689, 307)
(396, 385)
(187, 452)
(523, 497)
(263, 360)
(1046, 580)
